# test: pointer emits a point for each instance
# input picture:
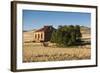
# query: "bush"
(66, 35)
(45, 44)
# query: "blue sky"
(33, 19)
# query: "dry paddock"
(35, 52)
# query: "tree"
(78, 33)
(66, 35)
(54, 36)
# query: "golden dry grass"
(28, 36)
(36, 52)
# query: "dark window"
(35, 36)
(41, 36)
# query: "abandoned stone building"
(43, 34)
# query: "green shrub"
(66, 35)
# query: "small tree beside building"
(66, 35)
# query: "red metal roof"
(45, 28)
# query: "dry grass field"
(36, 52)
(28, 36)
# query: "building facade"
(43, 34)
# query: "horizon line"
(53, 26)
